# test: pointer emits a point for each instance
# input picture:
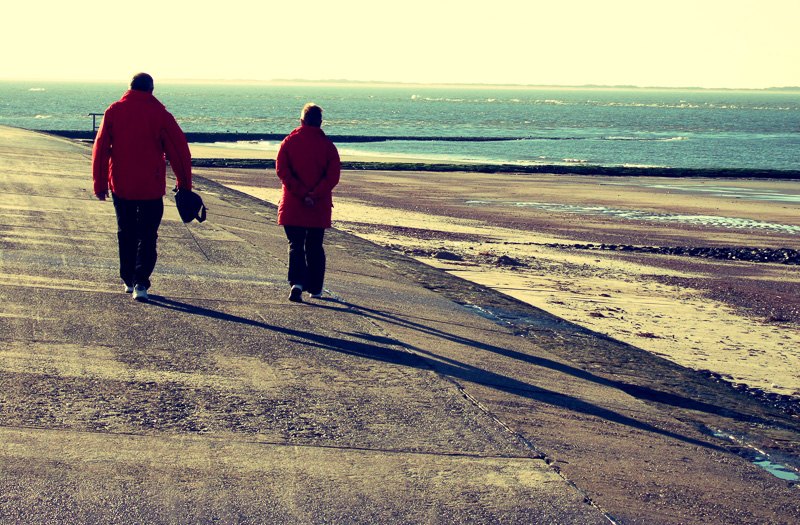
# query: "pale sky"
(673, 43)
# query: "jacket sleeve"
(333, 170)
(289, 181)
(101, 154)
(177, 149)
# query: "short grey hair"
(311, 114)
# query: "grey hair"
(311, 114)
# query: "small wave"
(646, 139)
(380, 156)
(43, 116)
(443, 99)
(666, 105)
(37, 89)
(680, 105)
(646, 166)
(255, 145)
(264, 145)
(613, 138)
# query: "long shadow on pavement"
(420, 358)
(640, 392)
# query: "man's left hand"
(103, 195)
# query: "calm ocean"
(685, 129)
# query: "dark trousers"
(137, 232)
(306, 257)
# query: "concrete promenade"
(403, 396)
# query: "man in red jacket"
(128, 157)
(309, 168)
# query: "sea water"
(609, 127)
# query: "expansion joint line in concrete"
(540, 455)
(246, 221)
(480, 406)
(49, 197)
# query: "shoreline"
(206, 155)
(365, 162)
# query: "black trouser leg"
(315, 259)
(126, 237)
(306, 257)
(137, 233)
(298, 272)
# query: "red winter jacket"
(136, 133)
(308, 165)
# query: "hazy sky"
(703, 43)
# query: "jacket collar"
(144, 96)
(310, 129)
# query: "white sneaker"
(316, 295)
(296, 295)
(140, 293)
(128, 289)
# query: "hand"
(103, 195)
(309, 201)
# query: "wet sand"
(739, 321)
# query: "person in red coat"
(128, 158)
(309, 168)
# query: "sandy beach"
(737, 320)
(246, 150)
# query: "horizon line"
(347, 82)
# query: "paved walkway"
(385, 402)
